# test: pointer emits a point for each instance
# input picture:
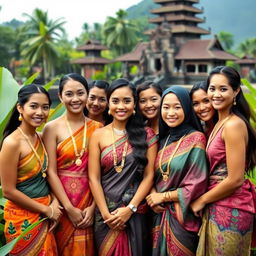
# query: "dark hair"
(135, 127)
(24, 95)
(147, 85)
(202, 85)
(241, 109)
(101, 84)
(75, 77)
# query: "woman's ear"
(60, 98)
(19, 108)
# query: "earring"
(134, 112)
(234, 101)
(109, 112)
(20, 117)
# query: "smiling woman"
(121, 174)
(66, 139)
(23, 165)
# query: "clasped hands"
(81, 218)
(116, 220)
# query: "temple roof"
(176, 8)
(172, 17)
(167, 1)
(135, 54)
(246, 60)
(91, 60)
(203, 50)
(183, 29)
(92, 45)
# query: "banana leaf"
(8, 95)
(8, 247)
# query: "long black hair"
(135, 128)
(72, 76)
(101, 84)
(241, 109)
(24, 95)
(202, 85)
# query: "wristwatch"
(132, 207)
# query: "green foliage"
(248, 48)
(7, 44)
(226, 39)
(120, 33)
(43, 34)
(251, 99)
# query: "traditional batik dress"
(119, 189)
(38, 241)
(175, 230)
(71, 240)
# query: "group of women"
(125, 168)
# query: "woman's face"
(74, 96)
(35, 111)
(172, 111)
(121, 103)
(202, 105)
(97, 101)
(220, 92)
(149, 103)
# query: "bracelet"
(52, 212)
(167, 196)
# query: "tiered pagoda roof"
(181, 15)
(92, 49)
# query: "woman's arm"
(122, 215)
(9, 159)
(50, 142)
(94, 172)
(235, 136)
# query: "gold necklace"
(43, 170)
(78, 160)
(166, 174)
(120, 167)
(216, 129)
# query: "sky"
(75, 12)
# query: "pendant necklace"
(42, 165)
(78, 160)
(165, 175)
(120, 167)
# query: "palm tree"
(42, 35)
(120, 33)
(227, 40)
(247, 48)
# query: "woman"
(121, 174)
(149, 95)
(23, 164)
(203, 106)
(180, 176)
(231, 149)
(66, 139)
(97, 105)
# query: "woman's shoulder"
(54, 124)
(196, 138)
(235, 122)
(12, 141)
(94, 123)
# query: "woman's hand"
(155, 199)
(158, 209)
(75, 215)
(197, 207)
(118, 218)
(54, 210)
(88, 214)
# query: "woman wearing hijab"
(180, 176)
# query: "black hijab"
(190, 123)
